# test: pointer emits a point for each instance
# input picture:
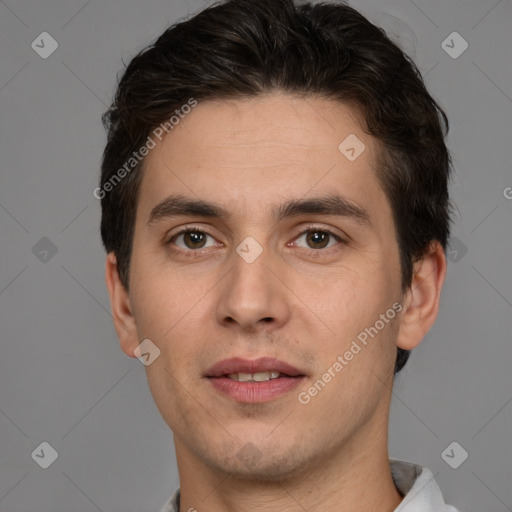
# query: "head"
(245, 106)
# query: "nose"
(252, 298)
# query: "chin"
(267, 469)
(259, 462)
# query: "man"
(275, 213)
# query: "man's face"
(297, 288)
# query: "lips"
(263, 364)
(254, 381)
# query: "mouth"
(238, 366)
(256, 377)
(254, 381)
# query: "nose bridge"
(252, 297)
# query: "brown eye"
(190, 239)
(318, 238)
(194, 239)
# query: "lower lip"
(255, 392)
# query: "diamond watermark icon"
(44, 45)
(146, 352)
(45, 455)
(454, 455)
(44, 249)
(249, 250)
(352, 147)
(454, 45)
(249, 454)
(456, 250)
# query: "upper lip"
(241, 365)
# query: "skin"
(298, 301)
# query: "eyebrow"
(336, 205)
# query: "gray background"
(63, 377)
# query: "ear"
(124, 321)
(421, 303)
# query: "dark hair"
(243, 48)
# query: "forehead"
(266, 123)
(251, 153)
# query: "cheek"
(161, 298)
(352, 298)
(362, 337)
(170, 311)
(154, 308)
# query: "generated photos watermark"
(304, 397)
(137, 156)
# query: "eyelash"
(197, 253)
(316, 253)
(190, 252)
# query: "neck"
(350, 478)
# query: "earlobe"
(124, 321)
(421, 303)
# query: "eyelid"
(181, 229)
(186, 229)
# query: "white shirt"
(417, 485)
